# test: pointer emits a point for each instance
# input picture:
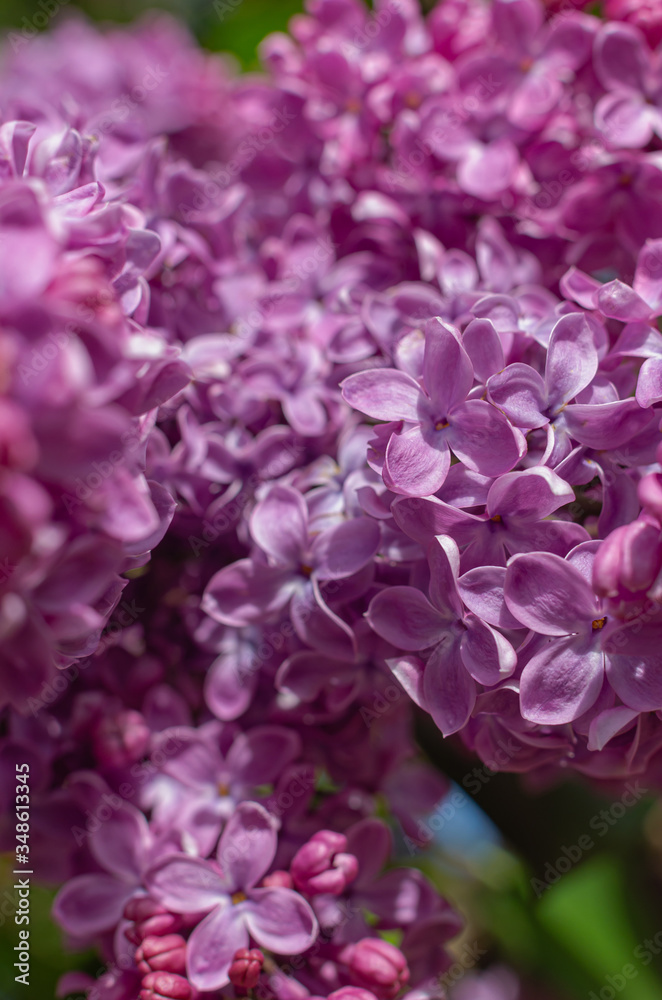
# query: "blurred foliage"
(579, 931)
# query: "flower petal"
(247, 846)
(88, 905)
(413, 466)
(448, 374)
(280, 920)
(186, 884)
(405, 618)
(449, 690)
(548, 595)
(279, 525)
(562, 681)
(212, 947)
(383, 394)
(483, 439)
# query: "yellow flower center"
(598, 624)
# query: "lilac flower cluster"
(325, 394)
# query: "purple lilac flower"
(277, 918)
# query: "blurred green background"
(577, 934)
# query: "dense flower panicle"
(322, 394)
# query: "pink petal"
(212, 947)
(384, 394)
(280, 920)
(247, 846)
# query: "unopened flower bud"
(323, 866)
(376, 965)
(246, 968)
(165, 986)
(162, 954)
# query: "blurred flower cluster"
(326, 393)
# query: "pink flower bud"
(165, 986)
(121, 739)
(150, 919)
(629, 559)
(246, 968)
(162, 954)
(278, 880)
(322, 866)
(376, 965)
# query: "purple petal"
(423, 518)
(414, 467)
(212, 947)
(318, 626)
(634, 665)
(649, 383)
(186, 884)
(383, 394)
(482, 438)
(405, 618)
(344, 550)
(91, 904)
(481, 589)
(409, 671)
(548, 595)
(279, 525)
(449, 690)
(444, 561)
(447, 371)
(562, 681)
(620, 57)
(485, 653)
(572, 359)
(619, 301)
(243, 593)
(247, 846)
(121, 843)
(260, 755)
(529, 495)
(606, 425)
(608, 724)
(648, 276)
(230, 685)
(280, 920)
(481, 342)
(626, 115)
(370, 842)
(520, 393)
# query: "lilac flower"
(628, 114)
(290, 568)
(463, 649)
(278, 919)
(209, 780)
(566, 658)
(124, 847)
(437, 417)
(517, 506)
